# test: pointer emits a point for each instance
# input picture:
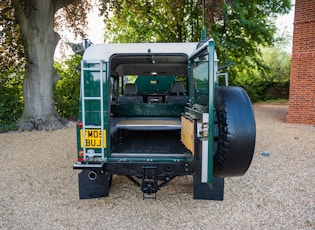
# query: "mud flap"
(88, 189)
(202, 191)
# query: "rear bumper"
(159, 169)
(95, 167)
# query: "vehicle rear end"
(148, 112)
(130, 117)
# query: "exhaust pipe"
(92, 175)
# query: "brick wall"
(302, 79)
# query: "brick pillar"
(302, 79)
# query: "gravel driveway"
(38, 187)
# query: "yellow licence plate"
(93, 138)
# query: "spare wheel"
(236, 132)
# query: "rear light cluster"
(80, 156)
(81, 152)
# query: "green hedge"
(11, 100)
(67, 89)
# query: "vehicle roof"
(105, 51)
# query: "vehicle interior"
(149, 94)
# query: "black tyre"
(236, 132)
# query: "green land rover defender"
(155, 111)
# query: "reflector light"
(80, 124)
(80, 154)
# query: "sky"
(96, 27)
(96, 30)
(95, 33)
(285, 24)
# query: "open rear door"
(198, 123)
(201, 114)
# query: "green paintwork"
(211, 113)
(154, 84)
(202, 85)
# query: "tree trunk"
(36, 19)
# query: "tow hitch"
(150, 188)
(149, 184)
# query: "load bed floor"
(136, 142)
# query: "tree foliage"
(28, 39)
(239, 27)
(28, 31)
(275, 74)
(152, 21)
(11, 48)
(245, 26)
(67, 89)
(279, 65)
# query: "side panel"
(93, 112)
